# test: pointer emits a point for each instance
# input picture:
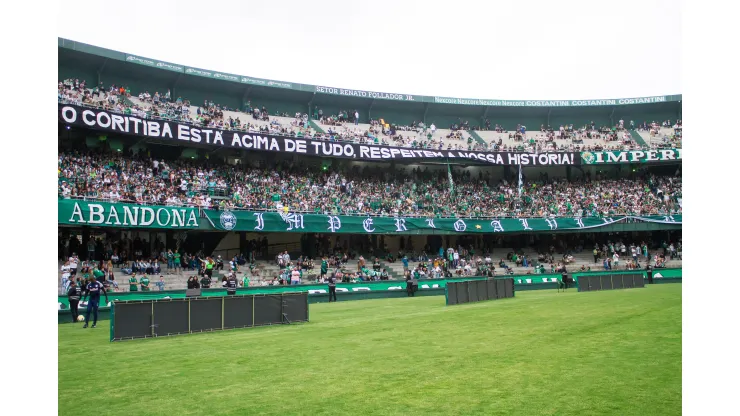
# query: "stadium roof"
(361, 94)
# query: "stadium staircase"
(316, 126)
(474, 134)
(126, 100)
(395, 269)
(638, 138)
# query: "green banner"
(549, 103)
(199, 72)
(77, 212)
(667, 273)
(226, 77)
(631, 156)
(270, 83)
(154, 63)
(318, 223)
(375, 286)
(657, 273)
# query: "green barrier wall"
(535, 279)
(382, 286)
(667, 274)
(374, 290)
(657, 273)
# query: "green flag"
(449, 176)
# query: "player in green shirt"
(133, 284)
(144, 284)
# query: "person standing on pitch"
(92, 290)
(73, 294)
(332, 287)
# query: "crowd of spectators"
(466, 260)
(290, 186)
(343, 126)
(468, 256)
(668, 134)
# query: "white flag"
(520, 181)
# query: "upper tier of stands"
(626, 135)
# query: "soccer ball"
(80, 318)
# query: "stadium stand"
(528, 262)
(114, 177)
(259, 182)
(341, 127)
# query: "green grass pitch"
(541, 353)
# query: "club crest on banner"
(460, 226)
(228, 220)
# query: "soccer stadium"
(238, 245)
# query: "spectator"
(144, 283)
(193, 282)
